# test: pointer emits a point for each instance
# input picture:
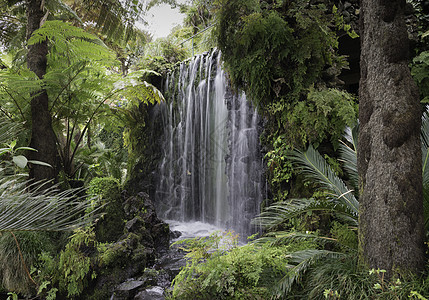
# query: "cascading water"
(211, 169)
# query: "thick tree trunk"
(389, 153)
(42, 135)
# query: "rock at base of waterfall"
(154, 293)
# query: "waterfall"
(211, 167)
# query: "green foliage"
(340, 24)
(104, 187)
(13, 273)
(420, 71)
(107, 190)
(18, 161)
(81, 85)
(338, 200)
(332, 266)
(42, 208)
(167, 48)
(218, 269)
(12, 296)
(197, 30)
(314, 166)
(198, 14)
(344, 234)
(279, 165)
(281, 53)
(342, 276)
(71, 271)
(276, 50)
(325, 114)
(66, 39)
(75, 265)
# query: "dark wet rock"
(175, 234)
(132, 255)
(149, 277)
(171, 262)
(127, 289)
(153, 293)
(134, 225)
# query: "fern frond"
(56, 31)
(74, 42)
(141, 92)
(62, 7)
(314, 166)
(299, 263)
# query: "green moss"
(106, 191)
(121, 254)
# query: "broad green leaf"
(20, 161)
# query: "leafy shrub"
(71, 271)
(420, 70)
(218, 269)
(104, 187)
(110, 226)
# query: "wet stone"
(154, 293)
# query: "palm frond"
(40, 208)
(425, 147)
(278, 238)
(9, 130)
(300, 262)
(348, 154)
(425, 128)
(278, 213)
(425, 164)
(315, 167)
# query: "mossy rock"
(122, 260)
(106, 191)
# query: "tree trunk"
(389, 153)
(42, 135)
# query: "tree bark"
(42, 134)
(389, 153)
